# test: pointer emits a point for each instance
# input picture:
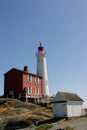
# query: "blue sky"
(61, 25)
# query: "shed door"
(60, 110)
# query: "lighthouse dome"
(40, 48)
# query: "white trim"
(29, 77)
(36, 91)
(36, 79)
(29, 90)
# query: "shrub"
(44, 127)
(68, 128)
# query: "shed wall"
(74, 109)
(68, 109)
(59, 110)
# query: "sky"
(61, 26)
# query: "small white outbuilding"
(67, 105)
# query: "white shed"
(67, 105)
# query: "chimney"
(26, 69)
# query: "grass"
(48, 126)
(44, 127)
(68, 128)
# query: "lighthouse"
(42, 69)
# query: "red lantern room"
(40, 48)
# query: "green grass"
(68, 128)
(48, 126)
(44, 127)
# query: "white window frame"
(36, 91)
(29, 90)
(36, 79)
(29, 77)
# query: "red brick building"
(18, 83)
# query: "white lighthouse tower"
(42, 69)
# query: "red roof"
(40, 48)
(22, 71)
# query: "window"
(36, 90)
(29, 90)
(26, 90)
(29, 78)
(36, 79)
(11, 92)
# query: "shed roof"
(70, 96)
(66, 96)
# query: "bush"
(44, 127)
(68, 128)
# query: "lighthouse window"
(29, 90)
(36, 90)
(30, 78)
(36, 80)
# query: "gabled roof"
(22, 71)
(66, 96)
(70, 96)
